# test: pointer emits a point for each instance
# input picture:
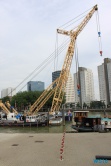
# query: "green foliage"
(78, 105)
(84, 105)
(4, 99)
(97, 104)
(23, 100)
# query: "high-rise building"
(84, 86)
(8, 92)
(55, 75)
(104, 75)
(35, 86)
(70, 98)
(69, 90)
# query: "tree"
(4, 99)
(78, 105)
(84, 105)
(97, 104)
(25, 99)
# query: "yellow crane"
(9, 107)
(62, 80)
(4, 108)
(42, 99)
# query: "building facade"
(35, 86)
(104, 75)
(8, 92)
(55, 75)
(84, 86)
(70, 98)
(69, 90)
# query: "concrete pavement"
(44, 149)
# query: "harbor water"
(46, 129)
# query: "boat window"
(79, 114)
(87, 124)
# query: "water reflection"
(43, 129)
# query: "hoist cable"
(99, 32)
(60, 50)
(74, 18)
(74, 22)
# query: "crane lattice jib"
(9, 106)
(43, 98)
(40, 105)
(4, 108)
(61, 84)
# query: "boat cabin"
(32, 118)
(81, 118)
(90, 123)
(79, 115)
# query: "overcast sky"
(28, 35)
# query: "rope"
(99, 33)
(74, 22)
(62, 47)
(77, 66)
(56, 53)
(76, 60)
(74, 18)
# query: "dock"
(31, 149)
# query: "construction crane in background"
(4, 108)
(10, 107)
(58, 91)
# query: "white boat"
(11, 117)
(55, 121)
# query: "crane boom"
(61, 84)
(43, 98)
(58, 91)
(4, 108)
(9, 106)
